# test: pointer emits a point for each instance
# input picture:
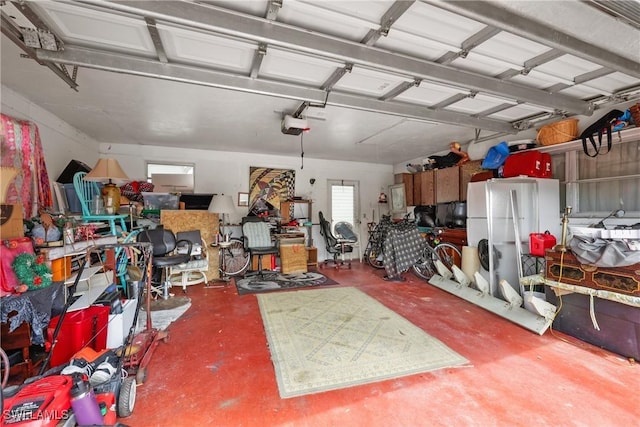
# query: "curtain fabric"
(21, 148)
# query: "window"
(598, 185)
(171, 177)
(343, 196)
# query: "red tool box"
(531, 163)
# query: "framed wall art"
(268, 188)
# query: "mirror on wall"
(398, 200)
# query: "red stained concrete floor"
(216, 370)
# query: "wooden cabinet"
(425, 181)
(312, 256)
(19, 339)
(408, 181)
(447, 184)
(443, 185)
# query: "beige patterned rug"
(327, 339)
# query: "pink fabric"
(9, 250)
(21, 148)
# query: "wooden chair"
(86, 191)
(19, 339)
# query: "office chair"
(343, 231)
(192, 272)
(86, 191)
(257, 240)
(335, 246)
(164, 256)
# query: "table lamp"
(107, 171)
(222, 205)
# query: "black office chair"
(164, 256)
(257, 239)
(335, 246)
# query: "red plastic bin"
(87, 327)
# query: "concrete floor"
(216, 370)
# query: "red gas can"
(539, 242)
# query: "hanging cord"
(301, 151)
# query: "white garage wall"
(61, 142)
(228, 173)
(216, 172)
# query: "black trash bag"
(425, 216)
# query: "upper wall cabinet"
(447, 184)
(408, 181)
(438, 185)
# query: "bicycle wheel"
(425, 267)
(449, 254)
(373, 255)
(236, 259)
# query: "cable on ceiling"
(301, 151)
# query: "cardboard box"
(293, 259)
(11, 221)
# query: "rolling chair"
(337, 247)
(86, 191)
(343, 230)
(193, 271)
(257, 240)
(164, 256)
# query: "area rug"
(327, 339)
(163, 312)
(277, 281)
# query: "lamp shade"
(107, 170)
(222, 204)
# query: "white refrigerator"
(490, 208)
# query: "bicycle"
(375, 246)
(374, 252)
(447, 253)
(235, 260)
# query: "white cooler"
(120, 324)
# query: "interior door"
(344, 204)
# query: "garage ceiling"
(378, 81)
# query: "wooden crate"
(293, 259)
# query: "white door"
(344, 204)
